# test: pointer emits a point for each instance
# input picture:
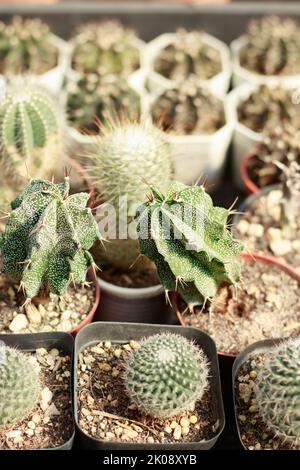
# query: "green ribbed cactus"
(30, 136)
(189, 241)
(166, 375)
(47, 238)
(278, 391)
(19, 385)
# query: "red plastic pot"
(249, 184)
(251, 258)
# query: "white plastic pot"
(218, 84)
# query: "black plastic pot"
(124, 332)
(30, 342)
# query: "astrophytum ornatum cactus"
(19, 385)
(166, 375)
(278, 391)
(189, 241)
(47, 238)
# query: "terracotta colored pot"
(248, 257)
(249, 184)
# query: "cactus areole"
(47, 238)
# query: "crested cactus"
(189, 241)
(26, 46)
(105, 48)
(278, 391)
(47, 238)
(30, 136)
(290, 203)
(272, 46)
(166, 375)
(19, 385)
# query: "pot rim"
(130, 292)
(249, 184)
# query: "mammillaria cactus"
(189, 241)
(278, 391)
(19, 385)
(25, 46)
(166, 375)
(47, 237)
(105, 48)
(273, 46)
(30, 135)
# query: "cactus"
(47, 237)
(272, 46)
(188, 109)
(105, 48)
(188, 55)
(92, 96)
(19, 385)
(166, 375)
(26, 46)
(278, 391)
(30, 136)
(189, 241)
(290, 203)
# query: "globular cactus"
(290, 203)
(30, 134)
(19, 385)
(272, 47)
(188, 108)
(166, 375)
(47, 238)
(189, 241)
(278, 391)
(26, 46)
(105, 48)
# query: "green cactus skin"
(47, 238)
(30, 138)
(19, 385)
(166, 375)
(189, 241)
(25, 46)
(278, 391)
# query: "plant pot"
(218, 84)
(248, 183)
(125, 332)
(31, 342)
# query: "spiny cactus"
(93, 95)
(105, 48)
(166, 375)
(188, 55)
(47, 238)
(30, 135)
(290, 204)
(19, 385)
(273, 46)
(188, 109)
(26, 46)
(189, 241)
(278, 391)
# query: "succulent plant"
(93, 96)
(30, 134)
(269, 107)
(105, 48)
(188, 109)
(166, 375)
(47, 238)
(188, 55)
(189, 241)
(19, 385)
(290, 204)
(278, 391)
(272, 46)
(26, 46)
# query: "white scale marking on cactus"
(165, 355)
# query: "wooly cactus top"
(47, 238)
(189, 241)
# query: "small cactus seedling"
(290, 204)
(26, 46)
(278, 391)
(47, 238)
(189, 241)
(19, 385)
(166, 375)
